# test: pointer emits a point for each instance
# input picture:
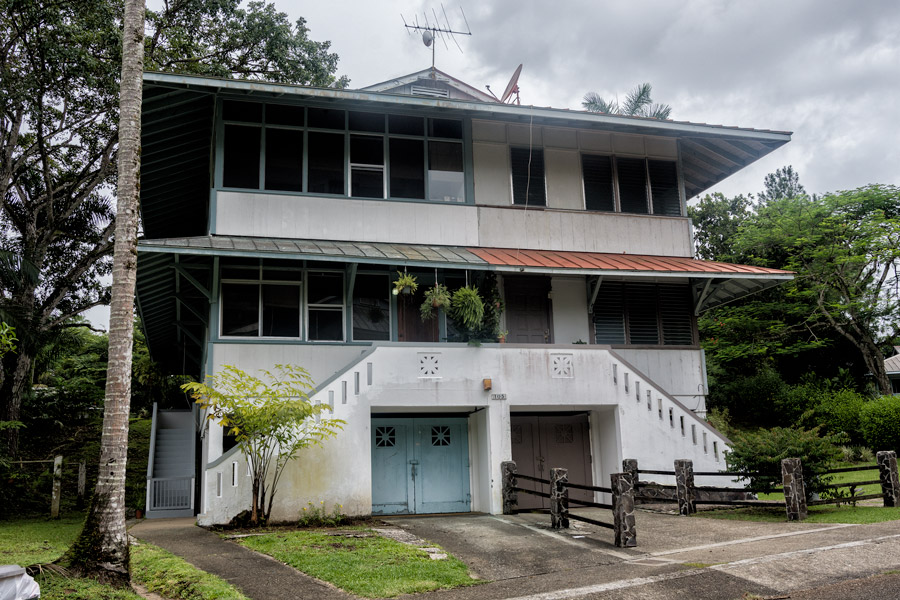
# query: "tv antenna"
(433, 29)
(511, 88)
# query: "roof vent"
(418, 90)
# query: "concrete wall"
(570, 315)
(682, 373)
(534, 378)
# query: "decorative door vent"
(440, 435)
(563, 434)
(385, 437)
(561, 366)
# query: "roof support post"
(594, 293)
(702, 298)
(190, 279)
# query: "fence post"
(623, 510)
(794, 490)
(82, 483)
(890, 483)
(559, 498)
(684, 487)
(630, 466)
(57, 484)
(510, 496)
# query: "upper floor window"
(637, 183)
(527, 167)
(643, 314)
(331, 151)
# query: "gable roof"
(430, 75)
(892, 365)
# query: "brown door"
(410, 327)
(527, 309)
(540, 443)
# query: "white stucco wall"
(570, 314)
(533, 378)
(680, 372)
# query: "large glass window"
(371, 308)
(527, 166)
(317, 150)
(325, 302)
(643, 314)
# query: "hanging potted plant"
(436, 298)
(467, 307)
(405, 283)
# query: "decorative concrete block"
(794, 490)
(890, 483)
(559, 498)
(623, 510)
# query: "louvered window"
(664, 187)
(598, 183)
(528, 176)
(643, 314)
(632, 178)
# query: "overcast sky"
(828, 71)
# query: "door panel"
(527, 309)
(410, 327)
(420, 466)
(540, 443)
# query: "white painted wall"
(622, 426)
(314, 218)
(581, 231)
(570, 314)
(679, 372)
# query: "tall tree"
(101, 549)
(716, 219)
(783, 183)
(845, 248)
(638, 103)
(59, 76)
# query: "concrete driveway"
(692, 557)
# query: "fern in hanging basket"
(467, 308)
(436, 298)
(405, 283)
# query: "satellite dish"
(427, 38)
(512, 86)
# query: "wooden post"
(510, 496)
(794, 490)
(57, 485)
(559, 498)
(684, 487)
(890, 482)
(623, 510)
(82, 484)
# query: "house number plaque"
(498, 396)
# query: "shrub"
(751, 400)
(762, 452)
(880, 423)
(316, 516)
(838, 413)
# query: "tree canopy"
(59, 79)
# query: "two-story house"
(277, 217)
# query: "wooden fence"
(622, 507)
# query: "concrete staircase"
(170, 472)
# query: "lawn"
(817, 514)
(365, 564)
(870, 475)
(30, 541)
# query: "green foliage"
(838, 412)
(467, 307)
(751, 400)
(405, 283)
(880, 423)
(817, 514)
(637, 103)
(8, 339)
(762, 452)
(365, 565)
(313, 515)
(272, 419)
(436, 297)
(716, 220)
(720, 419)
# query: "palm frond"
(594, 103)
(637, 100)
(658, 111)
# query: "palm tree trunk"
(101, 549)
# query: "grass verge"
(32, 541)
(817, 514)
(370, 566)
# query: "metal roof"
(892, 364)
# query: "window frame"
(512, 187)
(464, 141)
(390, 311)
(307, 306)
(259, 283)
(648, 186)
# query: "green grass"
(32, 541)
(370, 566)
(817, 514)
(844, 478)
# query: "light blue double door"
(420, 465)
